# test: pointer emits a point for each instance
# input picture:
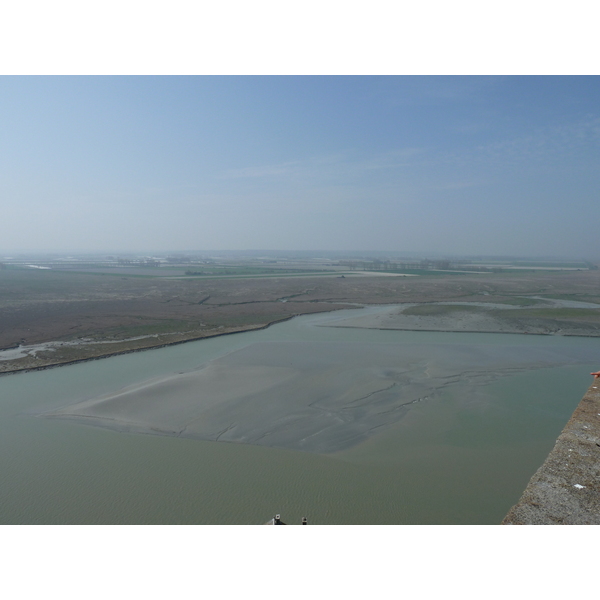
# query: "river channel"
(342, 425)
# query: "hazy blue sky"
(457, 165)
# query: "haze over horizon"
(463, 165)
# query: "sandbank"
(473, 317)
(320, 397)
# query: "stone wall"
(565, 490)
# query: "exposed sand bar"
(472, 317)
(314, 396)
(393, 318)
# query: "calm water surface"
(450, 459)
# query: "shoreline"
(582, 335)
(415, 324)
(132, 350)
(565, 490)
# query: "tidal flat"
(320, 397)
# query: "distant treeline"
(388, 265)
(446, 265)
(241, 270)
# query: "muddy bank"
(566, 488)
(93, 351)
(543, 317)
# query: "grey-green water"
(462, 455)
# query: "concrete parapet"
(565, 490)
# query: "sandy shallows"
(473, 319)
(313, 396)
(476, 317)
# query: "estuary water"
(341, 425)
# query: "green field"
(438, 310)
(594, 299)
(245, 271)
(549, 264)
(150, 327)
(584, 314)
(519, 301)
(425, 272)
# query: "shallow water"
(462, 454)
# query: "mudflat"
(320, 397)
(478, 317)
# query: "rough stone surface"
(565, 490)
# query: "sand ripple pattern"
(319, 397)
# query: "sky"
(451, 165)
